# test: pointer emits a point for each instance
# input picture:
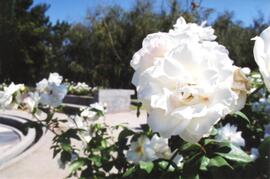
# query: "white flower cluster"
(187, 81)
(79, 88)
(147, 150)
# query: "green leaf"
(75, 165)
(242, 115)
(96, 160)
(125, 133)
(204, 162)
(213, 132)
(55, 152)
(218, 161)
(216, 146)
(147, 166)
(190, 147)
(66, 147)
(163, 164)
(236, 154)
(129, 171)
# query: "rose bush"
(187, 84)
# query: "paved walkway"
(37, 162)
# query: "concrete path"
(37, 162)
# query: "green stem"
(171, 159)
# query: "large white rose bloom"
(187, 85)
(262, 55)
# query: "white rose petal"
(262, 55)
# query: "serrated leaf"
(242, 115)
(96, 160)
(218, 161)
(66, 147)
(129, 171)
(75, 165)
(204, 162)
(163, 164)
(236, 154)
(146, 166)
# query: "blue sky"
(75, 11)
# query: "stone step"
(79, 100)
(71, 109)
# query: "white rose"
(262, 55)
(148, 150)
(160, 147)
(229, 133)
(54, 96)
(7, 96)
(140, 150)
(51, 91)
(190, 88)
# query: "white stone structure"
(117, 100)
